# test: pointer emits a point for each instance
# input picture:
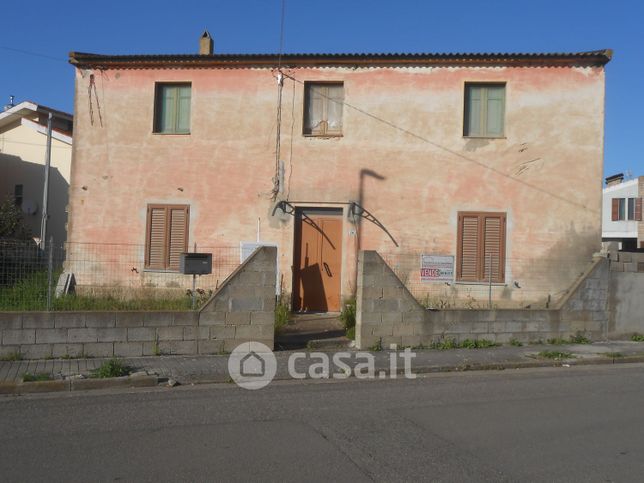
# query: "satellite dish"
(29, 207)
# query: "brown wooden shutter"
(178, 236)
(166, 236)
(493, 249)
(615, 209)
(156, 238)
(468, 250)
(638, 209)
(481, 240)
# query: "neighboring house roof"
(25, 111)
(80, 59)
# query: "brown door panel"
(317, 263)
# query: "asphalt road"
(565, 424)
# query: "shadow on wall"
(567, 259)
(16, 171)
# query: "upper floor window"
(323, 108)
(626, 209)
(172, 108)
(484, 110)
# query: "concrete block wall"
(241, 310)
(628, 262)
(387, 313)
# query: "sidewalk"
(200, 369)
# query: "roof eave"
(82, 60)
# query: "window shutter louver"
(177, 236)
(156, 238)
(468, 267)
(615, 209)
(638, 209)
(493, 244)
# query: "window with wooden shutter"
(166, 236)
(638, 209)
(481, 247)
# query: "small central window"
(172, 108)
(484, 110)
(323, 108)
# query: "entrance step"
(306, 327)
(332, 343)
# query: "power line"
(33, 54)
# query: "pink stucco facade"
(402, 154)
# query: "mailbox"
(195, 263)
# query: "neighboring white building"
(23, 140)
(622, 212)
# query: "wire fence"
(101, 276)
(531, 282)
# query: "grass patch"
(30, 293)
(348, 317)
(573, 339)
(282, 315)
(11, 356)
(637, 337)
(377, 347)
(556, 355)
(28, 377)
(447, 344)
(111, 368)
(516, 342)
(579, 339)
(613, 355)
(478, 344)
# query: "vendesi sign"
(436, 268)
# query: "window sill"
(494, 284)
(161, 270)
(171, 133)
(484, 137)
(323, 136)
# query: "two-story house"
(492, 159)
(622, 212)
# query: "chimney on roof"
(615, 179)
(206, 44)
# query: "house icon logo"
(252, 365)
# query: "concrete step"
(332, 343)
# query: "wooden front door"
(317, 260)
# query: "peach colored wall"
(546, 173)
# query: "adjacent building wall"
(402, 155)
(22, 161)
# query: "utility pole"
(45, 195)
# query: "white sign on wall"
(436, 268)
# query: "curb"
(494, 366)
(68, 385)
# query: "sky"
(37, 36)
